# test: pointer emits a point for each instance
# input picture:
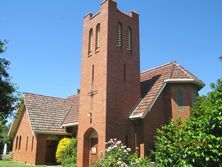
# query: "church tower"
(110, 80)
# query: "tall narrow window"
(27, 142)
(16, 143)
(32, 143)
(20, 141)
(97, 36)
(90, 41)
(180, 99)
(124, 72)
(119, 35)
(92, 74)
(129, 39)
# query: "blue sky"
(45, 39)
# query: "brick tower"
(110, 80)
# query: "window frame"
(20, 142)
(98, 36)
(119, 31)
(16, 143)
(129, 38)
(90, 42)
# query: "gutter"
(194, 81)
(70, 124)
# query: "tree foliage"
(4, 138)
(197, 142)
(2, 46)
(8, 93)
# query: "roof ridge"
(158, 67)
(77, 94)
(24, 93)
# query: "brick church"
(115, 100)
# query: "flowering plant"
(116, 155)
(119, 155)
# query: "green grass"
(15, 164)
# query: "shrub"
(197, 142)
(69, 153)
(68, 162)
(118, 155)
(7, 157)
(61, 146)
(136, 161)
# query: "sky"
(45, 37)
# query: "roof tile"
(46, 113)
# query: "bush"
(197, 142)
(61, 146)
(68, 162)
(7, 157)
(69, 153)
(118, 155)
(136, 161)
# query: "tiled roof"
(72, 116)
(154, 80)
(46, 113)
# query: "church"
(115, 99)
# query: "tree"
(197, 142)
(2, 46)
(4, 138)
(8, 93)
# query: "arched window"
(129, 39)
(20, 140)
(27, 142)
(97, 36)
(32, 143)
(16, 143)
(180, 99)
(90, 41)
(119, 35)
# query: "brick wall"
(188, 90)
(26, 153)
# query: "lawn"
(15, 164)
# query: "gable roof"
(153, 82)
(46, 113)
